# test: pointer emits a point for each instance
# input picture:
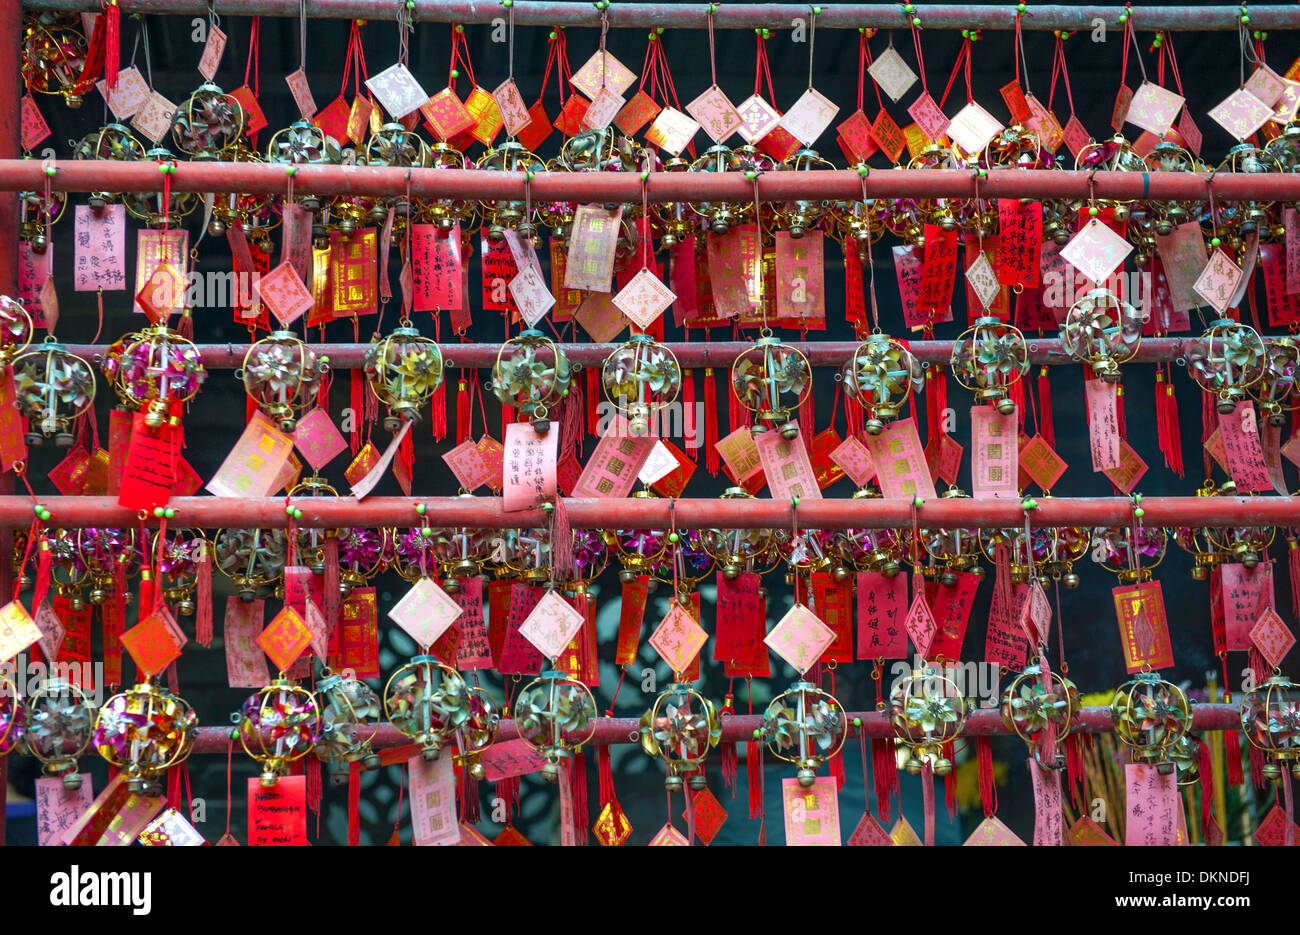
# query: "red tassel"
(1046, 424)
(572, 412)
(1232, 752)
(1017, 394)
(203, 601)
(837, 769)
(112, 47)
(561, 542)
(940, 390)
(754, 777)
(438, 413)
(1206, 770)
(808, 420)
(470, 812)
(737, 415)
(950, 783)
(730, 758)
(1074, 766)
(927, 800)
(354, 805)
(1119, 412)
(464, 413)
(1175, 435)
(406, 452)
(578, 788)
(987, 785)
(507, 790)
(333, 597)
(593, 394)
(1209, 422)
(604, 777)
(185, 325)
(690, 430)
(711, 460)
(356, 403)
(312, 769)
(884, 777)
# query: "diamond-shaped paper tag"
(972, 128)
(425, 612)
(285, 638)
(644, 299)
(920, 624)
(162, 294)
(982, 280)
(1218, 281)
(603, 109)
(151, 644)
(612, 827)
(397, 89)
(318, 439)
(993, 833)
(891, 74)
(800, 638)
(320, 631)
(284, 293)
(1271, 637)
(1154, 108)
(1096, 251)
(678, 638)
(1241, 113)
(552, 625)
(758, 118)
(809, 117)
(668, 836)
(616, 76)
(870, 833)
(671, 131)
(714, 112)
(710, 816)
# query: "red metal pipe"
(740, 727)
(728, 16)
(635, 513)
(593, 187)
(691, 354)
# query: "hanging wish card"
(1218, 281)
(528, 467)
(154, 118)
(714, 111)
(425, 612)
(1096, 251)
(251, 468)
(1154, 108)
(602, 70)
(812, 813)
(891, 74)
(397, 90)
(678, 639)
(995, 458)
(1241, 113)
(800, 638)
(212, 51)
(99, 249)
(671, 131)
(604, 107)
(128, 94)
(551, 625)
(1143, 626)
(809, 117)
(592, 243)
(786, 466)
(973, 128)
(899, 457)
(758, 118)
(612, 469)
(284, 293)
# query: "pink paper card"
(920, 625)
(993, 833)
(433, 801)
(1245, 594)
(1004, 642)
(318, 439)
(907, 269)
(551, 625)
(1096, 251)
(128, 95)
(301, 91)
(212, 50)
(602, 70)
(678, 639)
(1218, 281)
(397, 90)
(644, 299)
(245, 662)
(1183, 256)
(994, 460)
(853, 458)
(899, 457)
(1103, 424)
(1271, 636)
(604, 107)
(284, 293)
(758, 118)
(1143, 626)
(253, 464)
(800, 638)
(1049, 822)
(425, 612)
(466, 462)
(812, 813)
(473, 649)
(58, 807)
(869, 833)
(800, 287)
(882, 610)
(671, 131)
(154, 118)
(932, 121)
(1272, 831)
(436, 267)
(594, 237)
(740, 454)
(1239, 431)
(1154, 108)
(1043, 465)
(1151, 800)
(1241, 113)
(735, 271)
(787, 468)
(1266, 85)
(510, 758)
(891, 74)
(510, 104)
(973, 128)
(33, 126)
(1076, 136)
(528, 287)
(99, 249)
(952, 610)
(612, 469)
(809, 116)
(715, 113)
(529, 467)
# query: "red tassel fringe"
(578, 787)
(711, 459)
(754, 777)
(987, 785)
(1046, 424)
(203, 602)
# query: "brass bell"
(185, 607)
(697, 782)
(1006, 406)
(72, 780)
(890, 569)
(673, 783)
(1200, 573)
(874, 426)
(806, 777)
(78, 603)
(1070, 580)
(551, 772)
(268, 780)
(789, 431)
(841, 574)
(371, 761)
(948, 579)
(477, 771)
(1165, 768)
(216, 227)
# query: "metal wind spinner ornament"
(209, 124)
(531, 374)
(152, 207)
(988, 358)
(302, 143)
(1277, 391)
(430, 703)
(805, 726)
(880, 376)
(349, 711)
(738, 550)
(53, 386)
(283, 376)
(59, 719)
(641, 378)
(403, 370)
(144, 731)
(113, 142)
(15, 329)
(771, 379)
(1102, 331)
(927, 711)
(253, 559)
(277, 725)
(1029, 707)
(12, 715)
(1150, 716)
(1227, 361)
(1270, 718)
(157, 367)
(680, 727)
(500, 215)
(556, 715)
(54, 55)
(802, 215)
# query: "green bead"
(158, 512)
(548, 507)
(324, 359)
(751, 174)
(50, 171)
(918, 500)
(1020, 7)
(1092, 211)
(1139, 512)
(289, 509)
(420, 508)
(426, 532)
(673, 537)
(1137, 498)
(857, 722)
(169, 513)
(757, 733)
(1245, 18)
(908, 8)
(916, 21)
(455, 72)
(1214, 241)
(817, 11)
(507, 3)
(645, 176)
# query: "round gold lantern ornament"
(927, 711)
(1032, 703)
(681, 726)
(988, 358)
(1102, 331)
(1270, 718)
(805, 726)
(555, 715)
(349, 713)
(278, 724)
(60, 718)
(880, 376)
(532, 375)
(403, 370)
(1227, 361)
(144, 731)
(282, 375)
(641, 378)
(771, 380)
(430, 703)
(1150, 716)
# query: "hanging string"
(812, 39)
(920, 59)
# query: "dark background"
(1209, 66)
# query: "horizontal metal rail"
(983, 722)
(601, 187)
(695, 513)
(690, 354)
(729, 15)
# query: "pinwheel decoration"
(1102, 331)
(988, 358)
(738, 550)
(527, 553)
(927, 711)
(805, 726)
(1270, 718)
(151, 207)
(108, 555)
(638, 549)
(532, 375)
(38, 212)
(208, 124)
(54, 55)
(15, 329)
(403, 370)
(349, 712)
(555, 714)
(447, 212)
(880, 376)
(429, 702)
(396, 146)
(253, 559)
(1130, 556)
(303, 143)
(1277, 392)
(144, 731)
(283, 376)
(113, 142)
(693, 563)
(53, 387)
(771, 379)
(1227, 361)
(278, 724)
(506, 214)
(641, 379)
(363, 553)
(681, 726)
(180, 555)
(59, 720)
(1150, 715)
(1035, 701)
(158, 368)
(721, 216)
(1113, 155)
(801, 215)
